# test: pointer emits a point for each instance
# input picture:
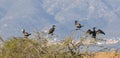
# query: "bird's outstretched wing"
(88, 32)
(99, 31)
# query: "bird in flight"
(78, 25)
(94, 32)
(51, 30)
(26, 34)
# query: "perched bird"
(94, 32)
(51, 30)
(78, 25)
(26, 34)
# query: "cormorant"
(51, 30)
(26, 34)
(78, 25)
(94, 32)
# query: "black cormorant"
(51, 30)
(94, 32)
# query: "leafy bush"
(38, 48)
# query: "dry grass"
(112, 54)
(40, 47)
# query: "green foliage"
(39, 48)
(19, 47)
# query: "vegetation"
(40, 47)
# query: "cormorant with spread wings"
(94, 32)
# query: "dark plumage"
(51, 30)
(88, 31)
(78, 25)
(26, 34)
(100, 31)
(94, 32)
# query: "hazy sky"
(36, 15)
